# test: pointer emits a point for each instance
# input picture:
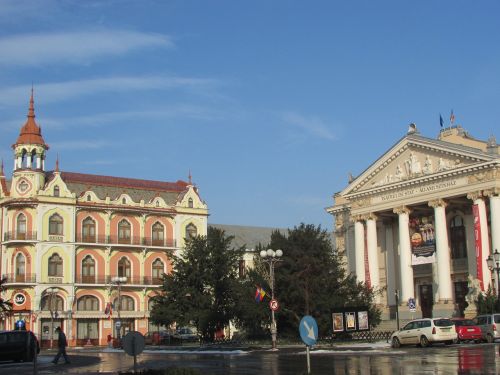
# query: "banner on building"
(478, 244)
(423, 240)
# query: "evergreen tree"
(201, 289)
(487, 303)
(310, 280)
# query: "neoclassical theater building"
(418, 224)
(66, 238)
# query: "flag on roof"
(452, 117)
(441, 122)
(259, 294)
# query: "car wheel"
(457, 341)
(424, 342)
(477, 341)
(395, 342)
(449, 342)
(489, 339)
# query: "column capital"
(437, 203)
(475, 195)
(368, 216)
(493, 192)
(356, 218)
(402, 210)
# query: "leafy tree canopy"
(5, 306)
(201, 288)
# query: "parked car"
(157, 338)
(18, 346)
(185, 334)
(490, 326)
(425, 332)
(466, 330)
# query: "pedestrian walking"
(62, 343)
(110, 341)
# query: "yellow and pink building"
(73, 244)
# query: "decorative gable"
(415, 157)
(56, 187)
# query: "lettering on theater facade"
(415, 191)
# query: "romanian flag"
(259, 294)
(109, 310)
(452, 117)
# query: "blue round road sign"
(308, 330)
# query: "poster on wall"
(362, 320)
(350, 318)
(422, 239)
(338, 322)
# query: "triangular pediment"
(415, 157)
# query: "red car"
(467, 330)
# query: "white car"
(425, 332)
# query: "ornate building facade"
(418, 224)
(83, 251)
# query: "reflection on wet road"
(455, 359)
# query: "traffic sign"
(274, 305)
(133, 343)
(412, 305)
(308, 329)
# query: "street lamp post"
(396, 295)
(272, 257)
(493, 262)
(119, 280)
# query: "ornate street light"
(272, 257)
(493, 262)
(119, 280)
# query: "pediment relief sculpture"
(414, 165)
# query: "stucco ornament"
(474, 290)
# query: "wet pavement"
(339, 360)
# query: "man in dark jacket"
(62, 344)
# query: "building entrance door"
(426, 300)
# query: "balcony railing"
(134, 240)
(107, 279)
(28, 278)
(19, 236)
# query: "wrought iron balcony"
(19, 236)
(108, 279)
(26, 278)
(133, 241)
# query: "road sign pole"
(308, 360)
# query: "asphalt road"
(443, 360)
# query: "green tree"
(487, 303)
(310, 280)
(5, 306)
(201, 289)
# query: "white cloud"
(78, 47)
(58, 92)
(79, 145)
(312, 125)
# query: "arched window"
(190, 202)
(126, 305)
(56, 191)
(88, 303)
(158, 234)
(20, 267)
(158, 271)
(89, 198)
(88, 230)
(124, 267)
(457, 238)
(191, 231)
(88, 270)
(56, 225)
(21, 227)
(124, 230)
(124, 201)
(52, 302)
(55, 265)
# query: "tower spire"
(190, 178)
(57, 163)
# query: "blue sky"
(269, 104)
